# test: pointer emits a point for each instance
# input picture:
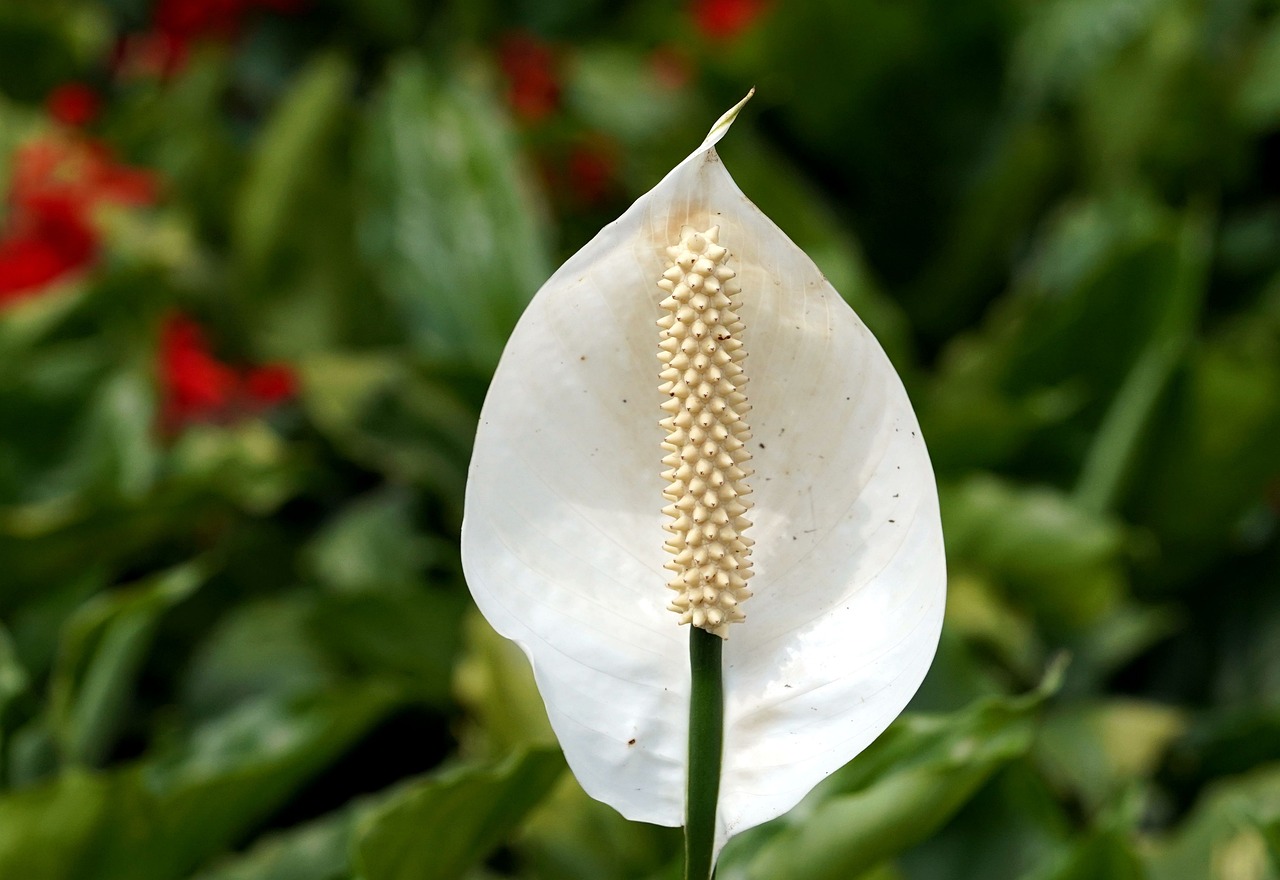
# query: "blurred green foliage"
(234, 639)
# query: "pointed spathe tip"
(722, 124)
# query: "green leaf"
(1211, 453)
(298, 286)
(495, 682)
(409, 638)
(448, 226)
(409, 423)
(30, 322)
(45, 831)
(102, 648)
(1100, 855)
(1053, 556)
(248, 464)
(284, 154)
(1013, 824)
(261, 648)
(185, 807)
(52, 450)
(119, 435)
(1257, 100)
(898, 792)
(1224, 835)
(13, 681)
(1098, 748)
(164, 817)
(977, 611)
(178, 128)
(1067, 43)
(1118, 443)
(372, 546)
(436, 829)
(613, 88)
(38, 46)
(315, 851)
(323, 849)
(571, 836)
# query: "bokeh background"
(257, 262)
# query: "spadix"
(701, 350)
(564, 545)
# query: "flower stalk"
(706, 744)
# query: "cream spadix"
(701, 350)
(563, 542)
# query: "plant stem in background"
(706, 740)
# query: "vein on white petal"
(797, 693)
(591, 523)
(588, 623)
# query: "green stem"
(706, 742)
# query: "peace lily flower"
(627, 373)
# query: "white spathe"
(562, 542)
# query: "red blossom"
(592, 170)
(51, 244)
(726, 19)
(271, 383)
(176, 25)
(197, 385)
(533, 83)
(189, 19)
(150, 54)
(200, 387)
(73, 104)
(57, 185)
(80, 172)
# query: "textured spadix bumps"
(701, 351)
(563, 537)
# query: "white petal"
(562, 541)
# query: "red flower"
(150, 54)
(57, 184)
(54, 243)
(79, 172)
(592, 169)
(533, 85)
(187, 19)
(197, 385)
(272, 383)
(177, 24)
(73, 104)
(726, 19)
(200, 387)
